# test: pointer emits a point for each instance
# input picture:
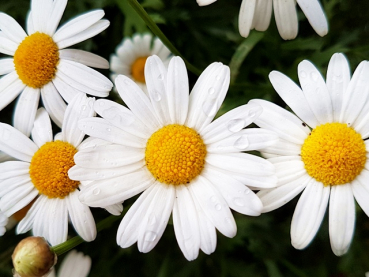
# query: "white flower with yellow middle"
(167, 147)
(41, 64)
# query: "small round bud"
(33, 257)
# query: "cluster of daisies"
(165, 145)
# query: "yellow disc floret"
(49, 169)
(175, 154)
(334, 154)
(138, 69)
(36, 59)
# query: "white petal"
(81, 217)
(11, 28)
(177, 91)
(341, 218)
(29, 23)
(12, 183)
(115, 209)
(205, 2)
(262, 15)
(214, 206)
(75, 264)
(245, 140)
(357, 94)
(315, 14)
(238, 196)
(116, 190)
(80, 107)
(360, 189)
(84, 57)
(207, 95)
(53, 103)
(55, 16)
(284, 123)
(316, 92)
(25, 110)
(284, 148)
(91, 142)
(246, 17)
(288, 170)
(17, 199)
(155, 220)
(64, 88)
(286, 18)
(276, 197)
(294, 97)
(77, 25)
(185, 222)
(100, 128)
(12, 169)
(7, 46)
(156, 78)
(41, 10)
(6, 66)
(27, 222)
(10, 87)
(16, 144)
(86, 76)
(121, 117)
(91, 31)
(161, 51)
(309, 214)
(137, 101)
(338, 78)
(241, 163)
(42, 131)
(230, 123)
(108, 156)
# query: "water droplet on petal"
(84, 107)
(252, 114)
(156, 96)
(211, 90)
(160, 77)
(108, 129)
(314, 76)
(96, 191)
(236, 125)
(218, 207)
(239, 202)
(210, 108)
(150, 236)
(228, 220)
(302, 74)
(241, 143)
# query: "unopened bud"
(33, 257)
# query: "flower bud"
(33, 257)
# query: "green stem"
(156, 30)
(73, 242)
(241, 53)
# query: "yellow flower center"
(175, 154)
(333, 154)
(36, 59)
(138, 69)
(49, 169)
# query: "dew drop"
(218, 207)
(156, 96)
(236, 125)
(228, 220)
(108, 129)
(302, 74)
(96, 191)
(160, 77)
(85, 222)
(211, 90)
(252, 114)
(314, 76)
(209, 108)
(239, 202)
(337, 78)
(217, 77)
(84, 107)
(150, 236)
(241, 143)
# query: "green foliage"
(203, 35)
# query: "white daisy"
(256, 14)
(324, 154)
(3, 223)
(41, 64)
(75, 264)
(166, 146)
(41, 174)
(131, 55)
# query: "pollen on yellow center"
(49, 169)
(175, 154)
(36, 59)
(334, 154)
(138, 69)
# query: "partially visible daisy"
(42, 174)
(131, 56)
(75, 264)
(42, 66)
(322, 151)
(167, 147)
(3, 223)
(256, 14)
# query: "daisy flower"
(75, 264)
(322, 151)
(256, 14)
(41, 173)
(131, 56)
(41, 64)
(166, 146)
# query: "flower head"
(322, 149)
(40, 64)
(167, 147)
(131, 55)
